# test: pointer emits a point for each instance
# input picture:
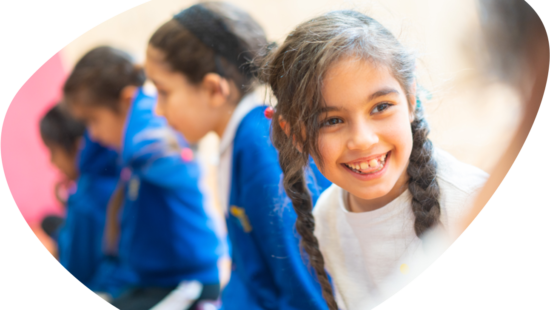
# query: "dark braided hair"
(295, 72)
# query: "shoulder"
(327, 205)
(150, 138)
(254, 128)
(459, 184)
(252, 141)
(457, 176)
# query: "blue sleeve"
(272, 219)
(156, 158)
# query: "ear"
(412, 100)
(286, 129)
(217, 89)
(284, 126)
(126, 96)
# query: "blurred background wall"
(470, 117)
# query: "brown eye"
(331, 122)
(381, 107)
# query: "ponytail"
(112, 225)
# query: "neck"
(223, 120)
(227, 110)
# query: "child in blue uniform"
(156, 223)
(95, 172)
(200, 64)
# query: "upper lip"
(368, 158)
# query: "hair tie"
(268, 112)
(186, 154)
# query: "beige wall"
(471, 118)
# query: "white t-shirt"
(371, 255)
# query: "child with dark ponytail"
(201, 62)
(157, 222)
(347, 96)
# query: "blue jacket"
(268, 269)
(165, 234)
(81, 236)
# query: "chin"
(371, 192)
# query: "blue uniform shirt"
(81, 236)
(165, 234)
(269, 271)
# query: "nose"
(362, 135)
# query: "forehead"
(161, 73)
(352, 79)
(154, 61)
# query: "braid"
(296, 189)
(422, 176)
(112, 226)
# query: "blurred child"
(200, 62)
(156, 223)
(346, 92)
(61, 135)
(517, 43)
(94, 173)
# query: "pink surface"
(25, 159)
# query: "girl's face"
(63, 160)
(365, 140)
(104, 125)
(186, 107)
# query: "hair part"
(59, 128)
(99, 77)
(295, 72)
(185, 53)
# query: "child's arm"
(156, 158)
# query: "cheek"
(399, 135)
(329, 149)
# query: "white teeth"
(373, 162)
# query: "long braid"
(296, 189)
(422, 176)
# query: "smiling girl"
(346, 93)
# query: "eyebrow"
(383, 92)
(380, 93)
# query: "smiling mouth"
(370, 166)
